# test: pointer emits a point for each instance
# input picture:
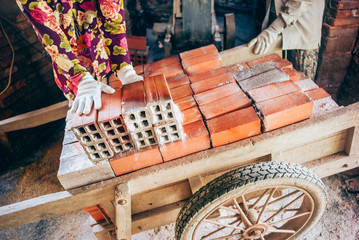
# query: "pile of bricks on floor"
(340, 28)
(220, 105)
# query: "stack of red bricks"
(340, 27)
(220, 105)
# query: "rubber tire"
(248, 178)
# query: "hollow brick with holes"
(211, 83)
(135, 160)
(168, 132)
(225, 105)
(234, 126)
(216, 94)
(272, 91)
(284, 110)
(196, 139)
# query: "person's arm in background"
(114, 29)
(71, 76)
(293, 9)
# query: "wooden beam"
(195, 183)
(123, 212)
(109, 209)
(352, 143)
(35, 118)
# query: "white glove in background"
(88, 93)
(128, 75)
(266, 38)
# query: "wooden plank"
(225, 157)
(352, 143)
(103, 231)
(242, 53)
(109, 209)
(156, 217)
(195, 183)
(160, 197)
(123, 212)
(35, 118)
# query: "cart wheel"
(268, 200)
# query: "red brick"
(115, 84)
(136, 42)
(170, 71)
(342, 44)
(234, 126)
(197, 139)
(342, 21)
(111, 107)
(185, 103)
(237, 67)
(198, 51)
(135, 160)
(200, 67)
(178, 81)
(316, 94)
(344, 4)
(191, 115)
(212, 83)
(285, 110)
(133, 97)
(343, 13)
(225, 105)
(216, 94)
(96, 213)
(199, 59)
(162, 63)
(139, 69)
(284, 64)
(272, 91)
(156, 89)
(335, 63)
(181, 91)
(292, 73)
(330, 31)
(273, 57)
(208, 74)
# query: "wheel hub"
(255, 231)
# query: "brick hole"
(142, 143)
(143, 114)
(135, 125)
(115, 141)
(96, 136)
(111, 133)
(168, 106)
(152, 141)
(101, 146)
(80, 131)
(159, 117)
(125, 138)
(173, 128)
(139, 135)
(129, 145)
(165, 138)
(145, 123)
(91, 128)
(163, 130)
(148, 133)
(91, 149)
(117, 122)
(121, 130)
(157, 109)
(132, 117)
(170, 115)
(106, 154)
(119, 149)
(175, 135)
(106, 125)
(95, 156)
(85, 139)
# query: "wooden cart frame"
(152, 197)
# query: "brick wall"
(340, 27)
(32, 85)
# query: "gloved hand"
(266, 38)
(88, 92)
(128, 75)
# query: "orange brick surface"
(273, 90)
(225, 105)
(273, 57)
(212, 83)
(178, 81)
(156, 89)
(317, 93)
(292, 73)
(133, 97)
(198, 51)
(135, 160)
(191, 115)
(185, 103)
(237, 67)
(200, 67)
(139, 69)
(234, 126)
(283, 64)
(181, 91)
(208, 74)
(197, 139)
(284, 110)
(111, 106)
(96, 213)
(216, 93)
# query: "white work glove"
(128, 75)
(266, 38)
(89, 92)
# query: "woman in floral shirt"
(85, 38)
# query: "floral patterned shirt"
(81, 36)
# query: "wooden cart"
(249, 176)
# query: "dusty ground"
(341, 220)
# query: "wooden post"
(123, 212)
(352, 144)
(195, 183)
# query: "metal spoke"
(224, 217)
(222, 224)
(289, 218)
(243, 216)
(281, 198)
(283, 208)
(229, 209)
(266, 203)
(220, 229)
(235, 229)
(260, 198)
(228, 236)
